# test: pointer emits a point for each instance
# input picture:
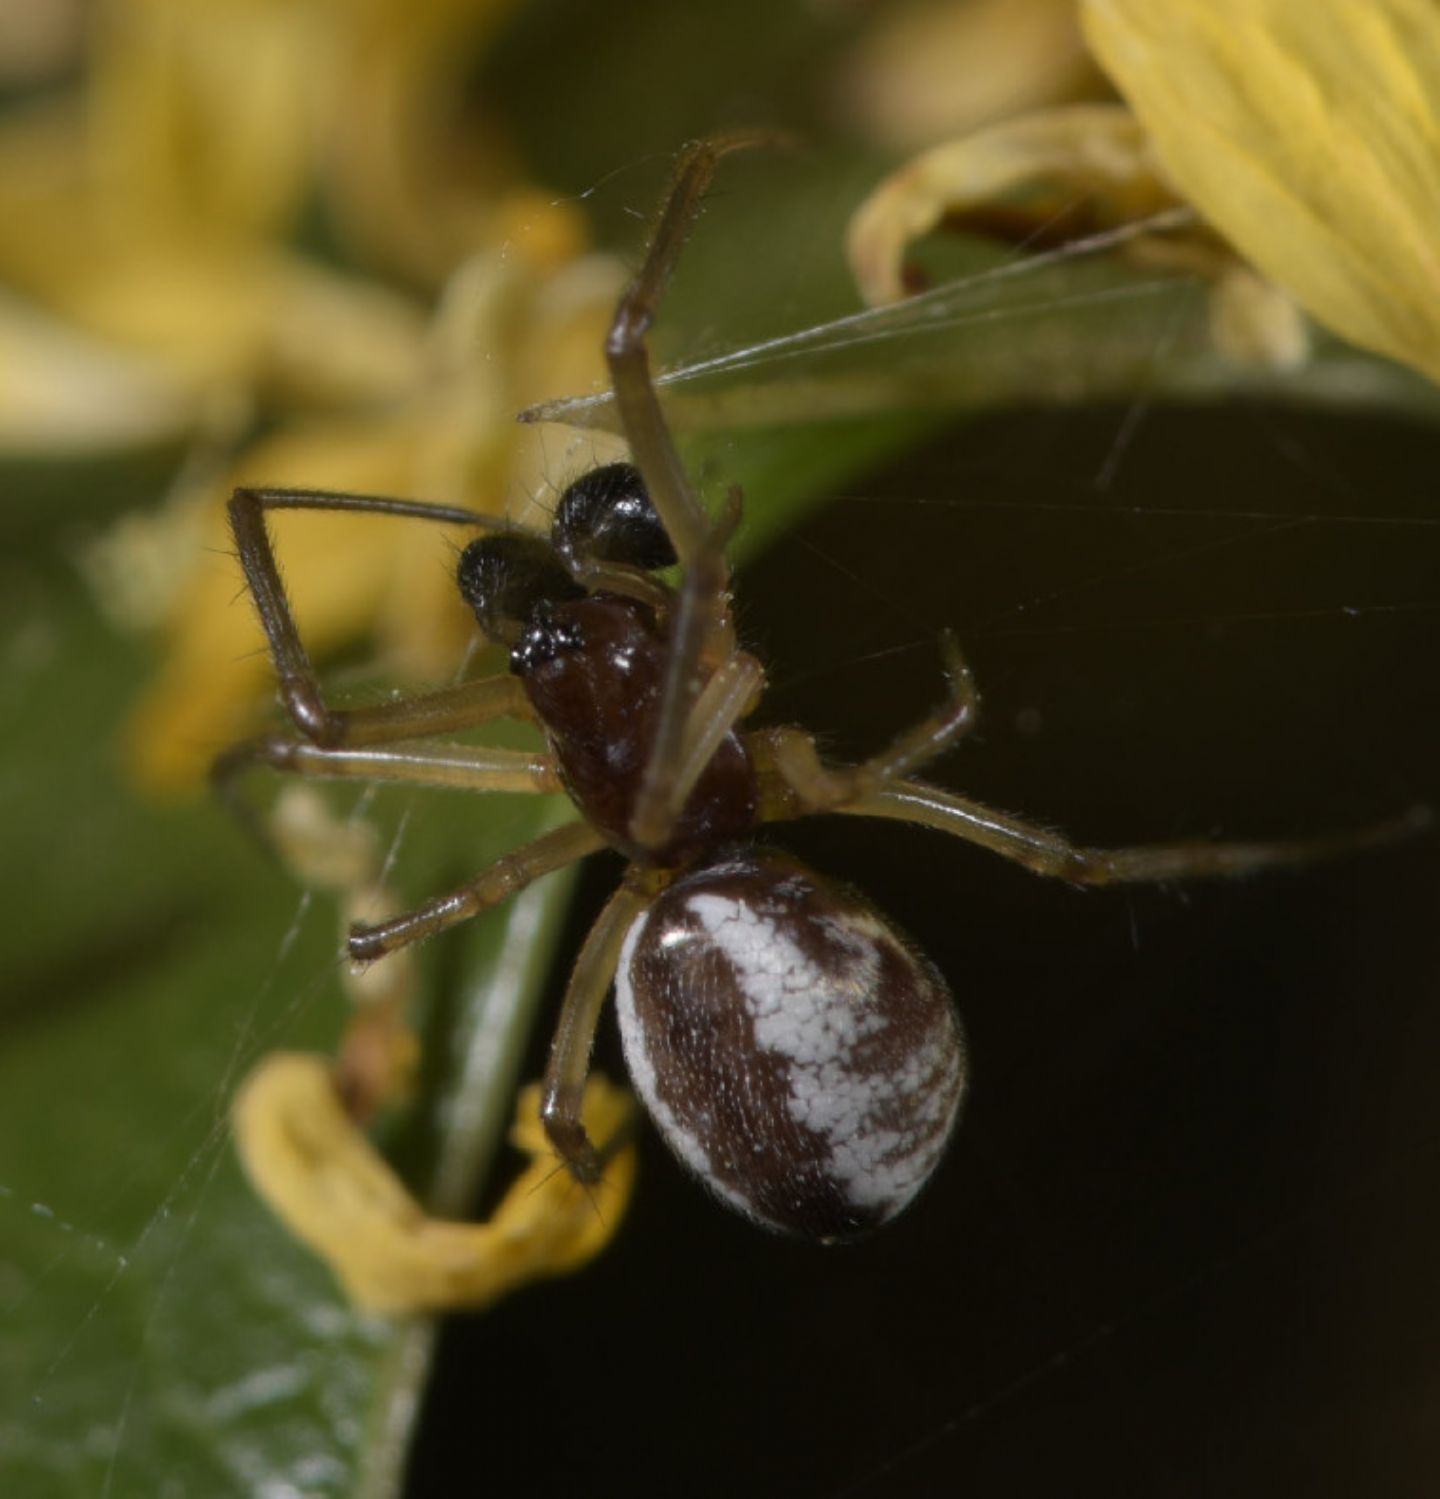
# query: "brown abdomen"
(796, 1052)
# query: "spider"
(794, 1049)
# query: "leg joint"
(319, 724)
(560, 1116)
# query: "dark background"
(1185, 1241)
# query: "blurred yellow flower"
(1306, 135)
(923, 71)
(510, 332)
(155, 209)
(151, 211)
(148, 228)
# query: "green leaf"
(158, 1320)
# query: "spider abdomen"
(594, 669)
(794, 1050)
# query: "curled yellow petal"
(1309, 135)
(1048, 179)
(320, 1175)
(1046, 164)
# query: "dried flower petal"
(305, 1156)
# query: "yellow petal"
(321, 1176)
(213, 309)
(1309, 135)
(415, 175)
(62, 391)
(1050, 163)
(202, 116)
(924, 71)
(236, 313)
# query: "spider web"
(1235, 1100)
(1263, 647)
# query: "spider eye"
(505, 577)
(606, 515)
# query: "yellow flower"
(1308, 137)
(150, 212)
(1308, 133)
(146, 230)
(153, 211)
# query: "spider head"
(606, 516)
(506, 576)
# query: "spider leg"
(450, 708)
(641, 416)
(464, 767)
(1044, 852)
(934, 735)
(728, 696)
(508, 874)
(464, 706)
(563, 1089)
(596, 575)
(694, 715)
(693, 718)
(797, 782)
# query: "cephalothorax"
(795, 1050)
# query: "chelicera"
(794, 1049)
